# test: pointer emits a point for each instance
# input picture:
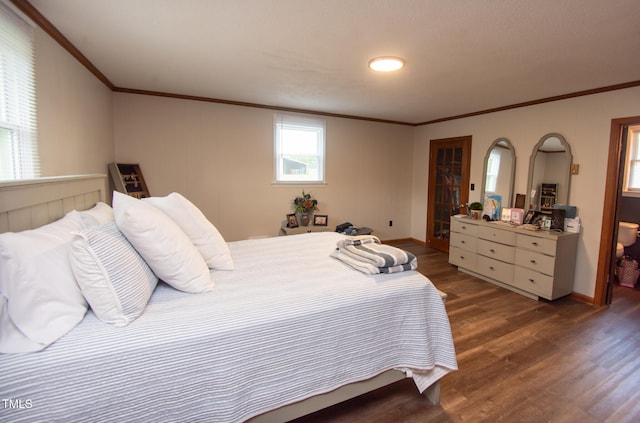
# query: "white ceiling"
(463, 56)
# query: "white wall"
(221, 157)
(584, 122)
(74, 113)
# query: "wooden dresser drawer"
(496, 251)
(533, 282)
(536, 261)
(533, 263)
(541, 245)
(497, 235)
(495, 269)
(463, 226)
(464, 241)
(462, 258)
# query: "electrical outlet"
(391, 223)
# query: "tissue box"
(572, 225)
(506, 214)
(517, 216)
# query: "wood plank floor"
(519, 360)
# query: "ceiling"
(462, 56)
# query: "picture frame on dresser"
(320, 220)
(529, 217)
(539, 219)
(292, 221)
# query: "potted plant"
(303, 206)
(476, 210)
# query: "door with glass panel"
(449, 164)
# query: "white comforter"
(290, 322)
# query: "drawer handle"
(492, 250)
(461, 257)
(491, 268)
(462, 242)
(531, 280)
(463, 227)
(532, 261)
(534, 243)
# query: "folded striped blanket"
(367, 254)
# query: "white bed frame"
(28, 204)
(31, 203)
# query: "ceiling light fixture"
(386, 63)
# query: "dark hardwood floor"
(519, 360)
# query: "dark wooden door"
(449, 166)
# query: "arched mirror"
(499, 172)
(549, 173)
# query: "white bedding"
(288, 323)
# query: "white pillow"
(40, 300)
(97, 215)
(201, 231)
(115, 280)
(162, 244)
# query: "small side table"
(302, 230)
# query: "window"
(632, 167)
(18, 143)
(299, 148)
(493, 169)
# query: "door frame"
(610, 209)
(464, 183)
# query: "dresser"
(536, 264)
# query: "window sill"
(635, 194)
(298, 184)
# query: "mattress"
(288, 323)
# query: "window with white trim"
(631, 186)
(299, 143)
(18, 143)
(493, 169)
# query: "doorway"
(448, 187)
(605, 278)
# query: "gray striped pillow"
(116, 282)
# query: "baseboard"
(576, 295)
(405, 240)
(417, 241)
(582, 297)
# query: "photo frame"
(528, 218)
(320, 220)
(292, 221)
(539, 220)
(557, 219)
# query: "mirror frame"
(567, 178)
(509, 202)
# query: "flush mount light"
(386, 63)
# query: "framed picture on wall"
(292, 221)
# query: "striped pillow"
(116, 282)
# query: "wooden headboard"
(28, 204)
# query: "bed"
(289, 331)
